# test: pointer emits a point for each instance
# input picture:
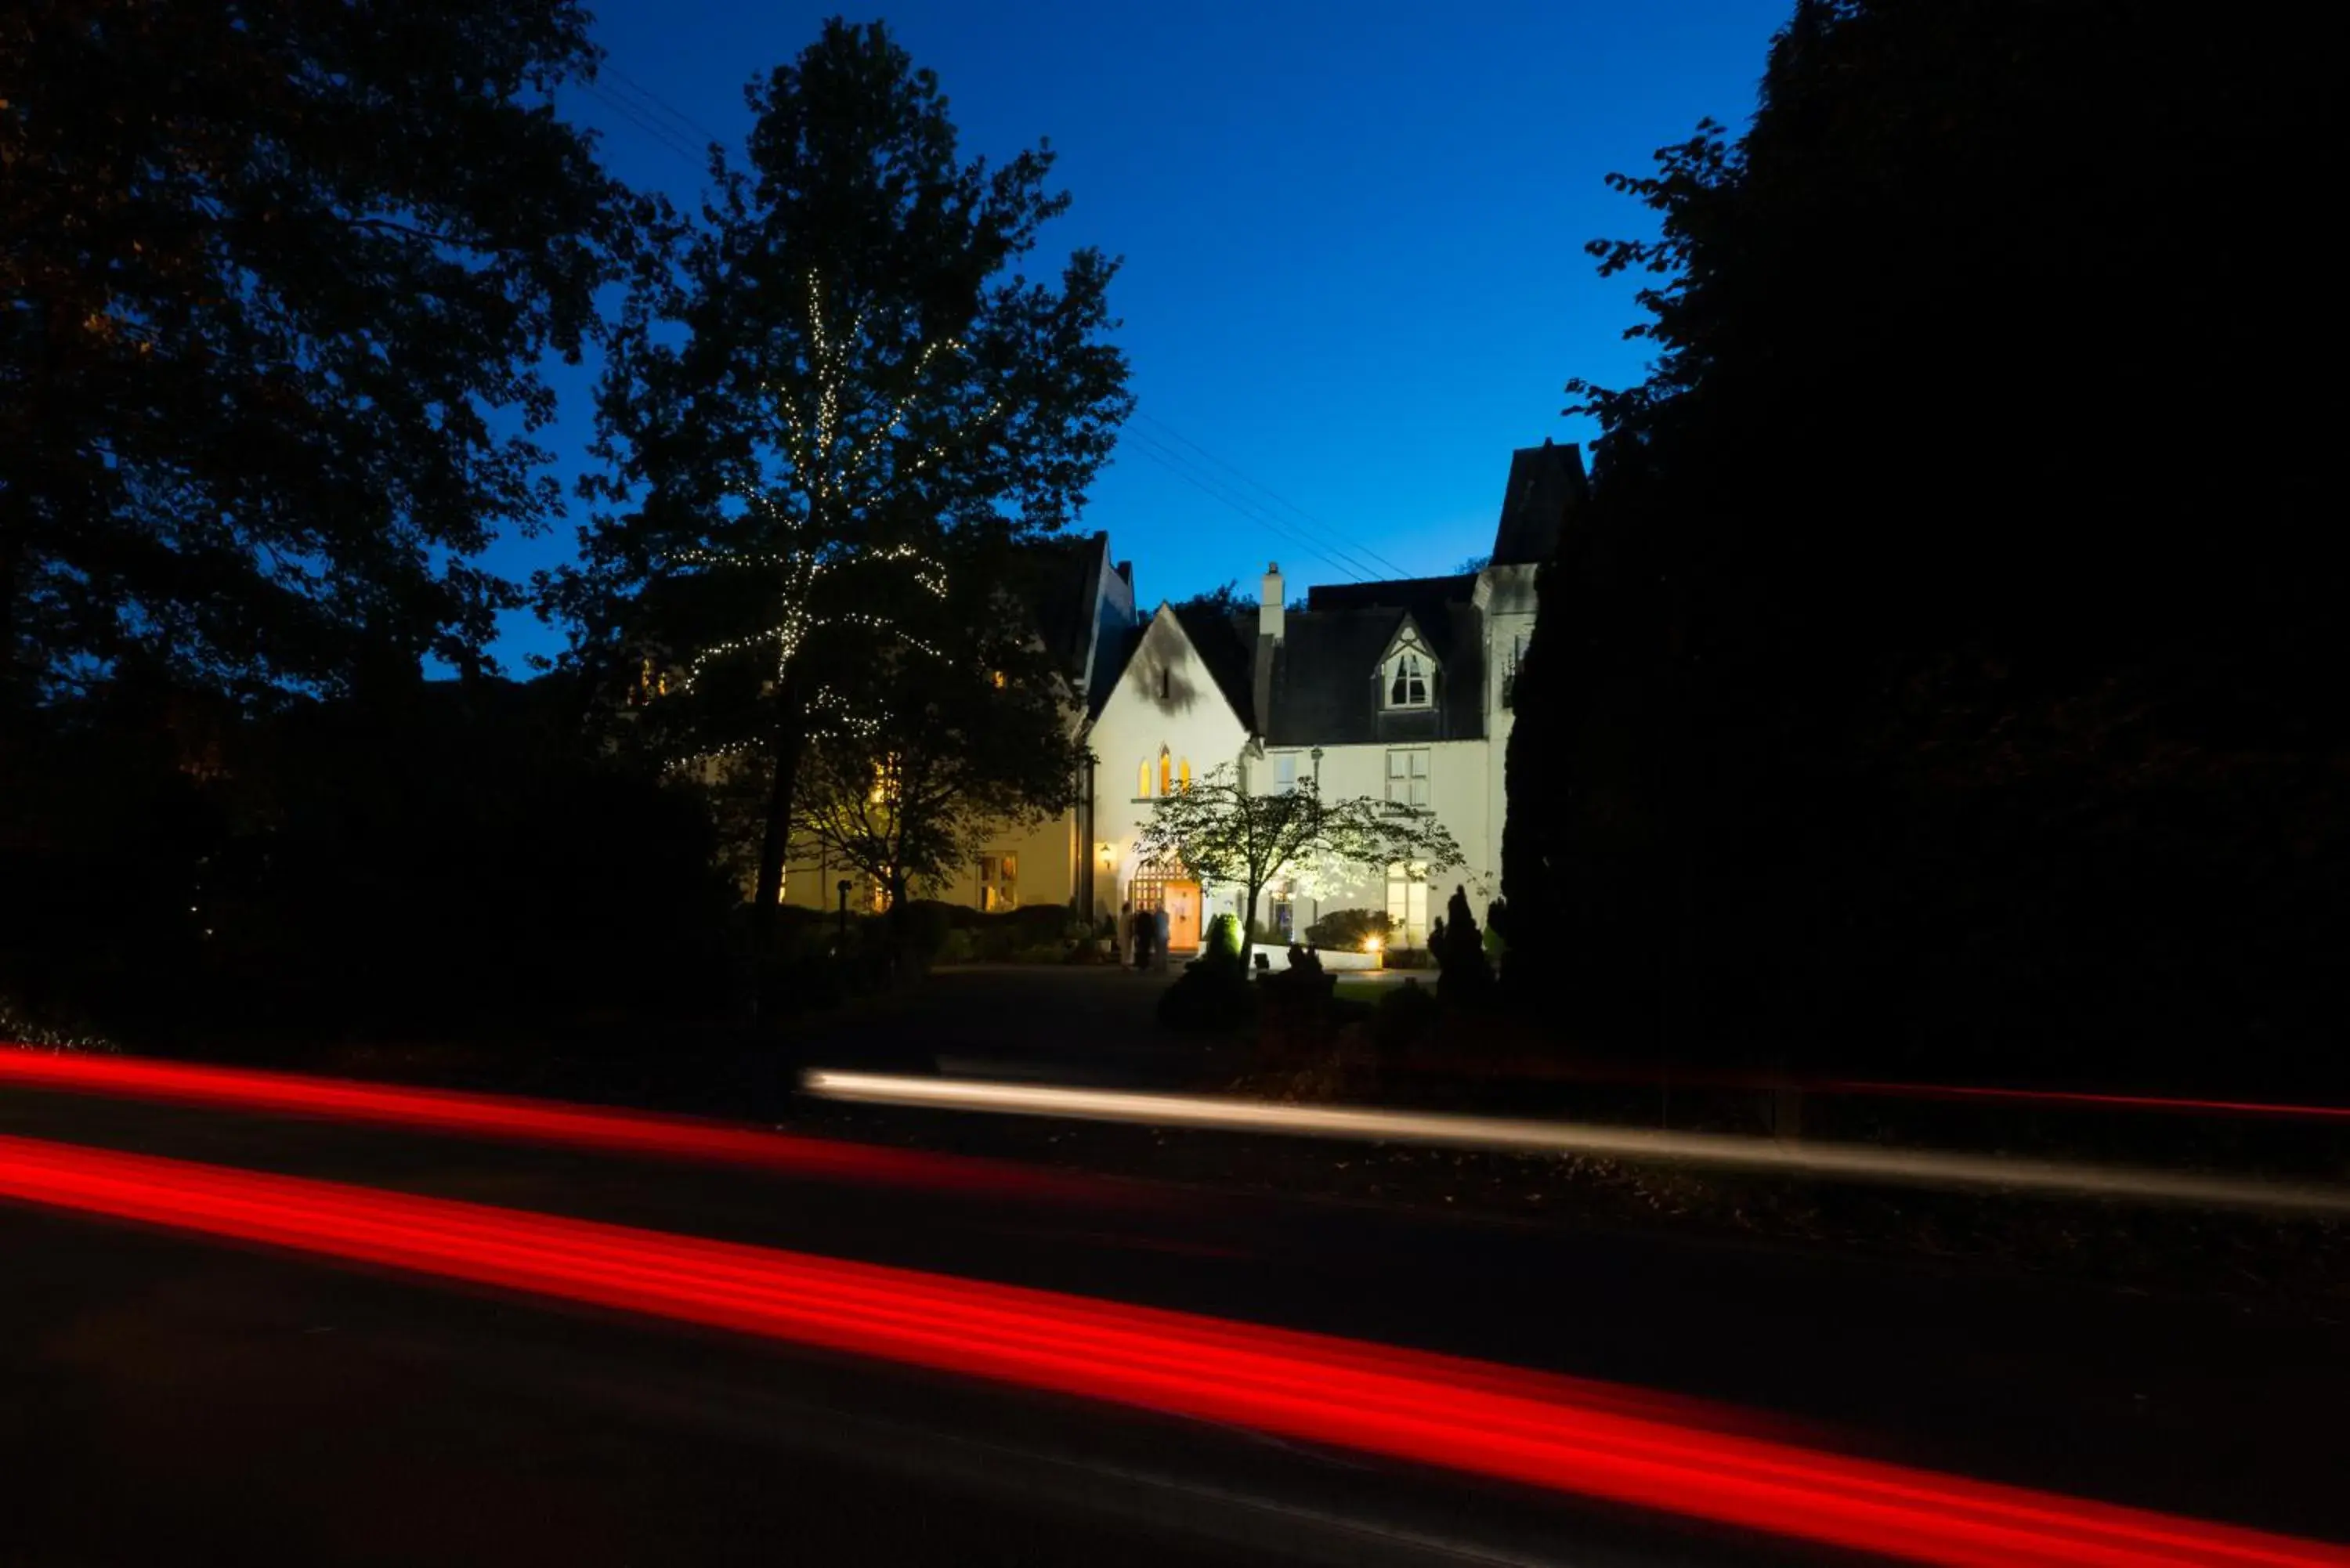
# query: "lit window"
(1166, 773)
(1142, 782)
(1408, 778)
(999, 681)
(882, 786)
(1406, 681)
(1183, 775)
(1408, 903)
(999, 882)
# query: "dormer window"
(1406, 681)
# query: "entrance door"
(1182, 916)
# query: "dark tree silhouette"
(840, 370)
(274, 284)
(1942, 670)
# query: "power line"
(667, 139)
(662, 105)
(1175, 465)
(1327, 530)
(1357, 564)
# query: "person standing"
(1159, 932)
(1143, 929)
(1126, 933)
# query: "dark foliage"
(1942, 678)
(1213, 995)
(431, 861)
(1458, 950)
(1407, 1016)
(274, 284)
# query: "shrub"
(1347, 929)
(1223, 939)
(1460, 950)
(954, 947)
(1213, 995)
(1406, 1015)
(1405, 957)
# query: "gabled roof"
(1547, 484)
(1226, 644)
(1327, 666)
(1059, 579)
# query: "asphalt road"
(163, 1396)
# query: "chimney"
(1268, 641)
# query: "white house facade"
(1401, 691)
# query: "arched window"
(1184, 774)
(1166, 773)
(1143, 781)
(1406, 681)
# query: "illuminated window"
(999, 882)
(1408, 903)
(1183, 775)
(1408, 778)
(999, 681)
(882, 786)
(1406, 681)
(1166, 773)
(1142, 782)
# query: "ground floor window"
(1284, 917)
(1408, 904)
(999, 882)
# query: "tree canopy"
(275, 281)
(1219, 832)
(1951, 602)
(819, 394)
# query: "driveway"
(1067, 1024)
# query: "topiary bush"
(1223, 939)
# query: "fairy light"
(811, 453)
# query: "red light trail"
(539, 1121)
(1503, 1422)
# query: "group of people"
(1144, 935)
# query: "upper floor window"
(1408, 681)
(1285, 774)
(1408, 778)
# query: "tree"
(275, 281)
(814, 392)
(1857, 721)
(1218, 603)
(957, 741)
(1219, 832)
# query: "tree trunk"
(1248, 923)
(774, 843)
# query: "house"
(1397, 689)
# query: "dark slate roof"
(1325, 671)
(1060, 581)
(1227, 645)
(1546, 483)
(1109, 664)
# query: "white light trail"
(1842, 1161)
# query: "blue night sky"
(1353, 234)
